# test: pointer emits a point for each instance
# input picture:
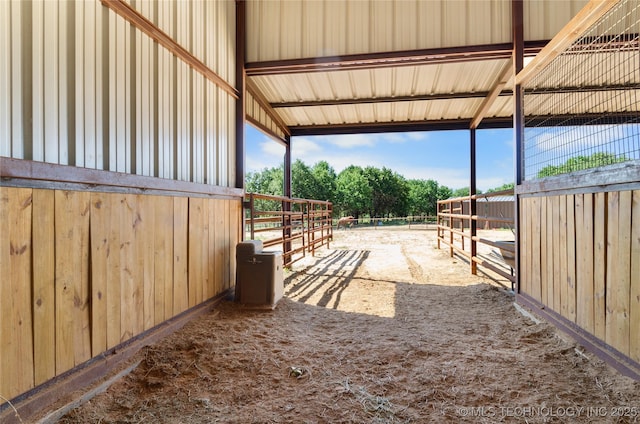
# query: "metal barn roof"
(326, 66)
(358, 66)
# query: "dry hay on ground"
(381, 328)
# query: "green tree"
(303, 183)
(463, 192)
(325, 178)
(423, 197)
(579, 163)
(389, 192)
(444, 192)
(503, 187)
(353, 194)
(267, 181)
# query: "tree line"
(356, 191)
(376, 192)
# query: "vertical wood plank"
(180, 254)
(113, 271)
(536, 289)
(544, 288)
(524, 247)
(236, 215)
(43, 236)
(203, 291)
(555, 228)
(584, 262)
(16, 331)
(145, 242)
(529, 253)
(138, 266)
(100, 249)
(227, 248)
(562, 254)
(5, 295)
(599, 263)
(618, 287)
(220, 245)
(549, 252)
(73, 338)
(163, 258)
(195, 251)
(212, 265)
(130, 296)
(571, 259)
(634, 307)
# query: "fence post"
(251, 210)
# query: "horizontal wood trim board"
(49, 175)
(617, 177)
(143, 24)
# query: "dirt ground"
(380, 328)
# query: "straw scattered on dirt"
(381, 328)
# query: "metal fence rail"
(455, 230)
(296, 226)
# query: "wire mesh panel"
(583, 110)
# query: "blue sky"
(439, 155)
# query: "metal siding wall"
(81, 86)
(543, 19)
(5, 78)
(284, 29)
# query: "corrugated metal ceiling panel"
(449, 78)
(432, 110)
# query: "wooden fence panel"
(83, 272)
(43, 236)
(16, 331)
(589, 269)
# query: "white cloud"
(350, 141)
